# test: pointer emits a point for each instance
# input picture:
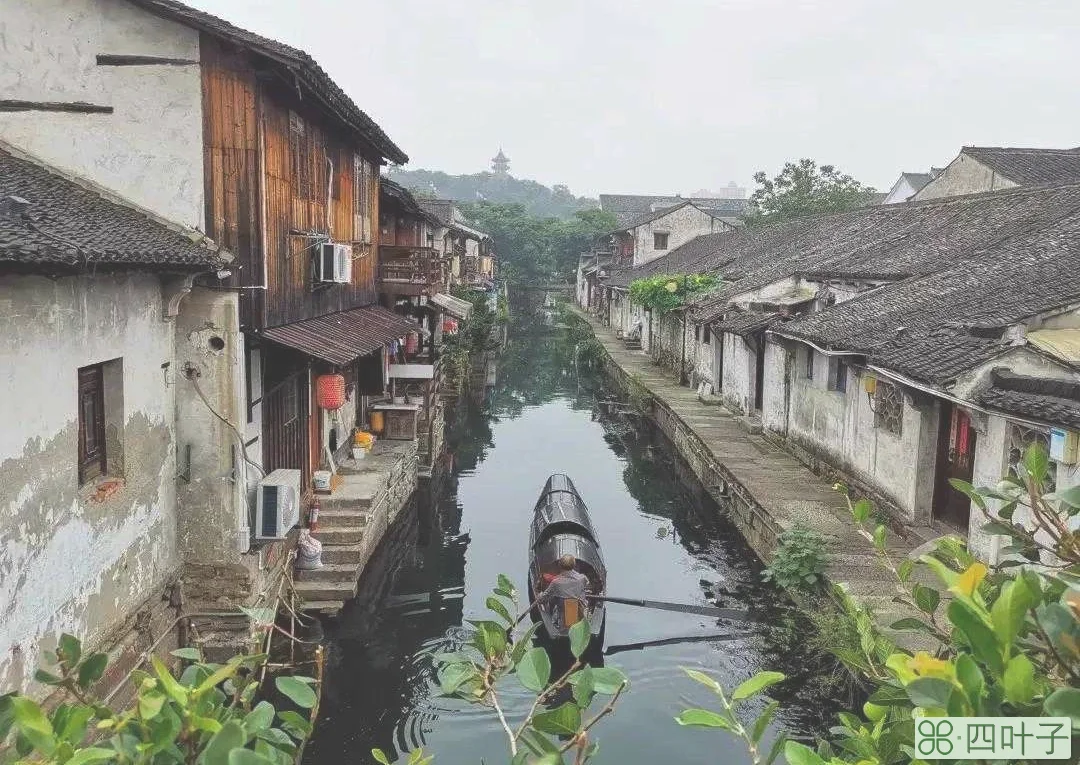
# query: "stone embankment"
(354, 518)
(764, 488)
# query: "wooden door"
(955, 459)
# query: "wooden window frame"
(91, 384)
(808, 364)
(706, 334)
(661, 240)
(300, 158)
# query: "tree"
(805, 189)
(534, 250)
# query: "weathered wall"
(964, 175)
(680, 225)
(155, 128)
(214, 525)
(738, 383)
(778, 366)
(69, 560)
(839, 429)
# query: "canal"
(662, 540)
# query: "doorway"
(759, 373)
(718, 362)
(955, 459)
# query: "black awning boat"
(561, 526)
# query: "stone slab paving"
(787, 490)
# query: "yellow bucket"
(377, 423)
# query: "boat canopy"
(560, 510)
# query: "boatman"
(569, 583)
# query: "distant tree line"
(535, 197)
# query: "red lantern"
(330, 391)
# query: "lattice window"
(363, 177)
(1020, 438)
(889, 408)
(300, 151)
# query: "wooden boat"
(561, 526)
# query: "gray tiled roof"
(1050, 401)
(1028, 167)
(681, 260)
(303, 66)
(934, 327)
(627, 207)
(71, 224)
(741, 322)
(881, 242)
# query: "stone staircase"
(632, 343)
(353, 520)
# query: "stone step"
(313, 592)
(339, 535)
(326, 607)
(344, 573)
(343, 518)
(351, 554)
(341, 502)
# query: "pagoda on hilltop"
(500, 164)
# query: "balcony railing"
(409, 268)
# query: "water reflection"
(661, 540)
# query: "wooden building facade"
(289, 170)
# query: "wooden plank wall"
(231, 169)
(294, 187)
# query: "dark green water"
(661, 540)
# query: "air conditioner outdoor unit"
(335, 262)
(277, 504)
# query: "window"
(91, 423)
(660, 241)
(706, 335)
(1020, 438)
(838, 375)
(363, 177)
(808, 361)
(889, 408)
(290, 401)
(300, 156)
(697, 333)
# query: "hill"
(538, 199)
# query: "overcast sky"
(672, 96)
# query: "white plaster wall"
(775, 393)
(680, 225)
(149, 149)
(705, 358)
(67, 563)
(738, 383)
(214, 520)
(900, 191)
(839, 428)
(964, 175)
(991, 463)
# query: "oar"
(719, 613)
(670, 641)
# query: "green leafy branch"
(543, 737)
(208, 715)
(665, 293)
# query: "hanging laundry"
(412, 343)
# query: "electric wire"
(235, 432)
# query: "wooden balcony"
(406, 270)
